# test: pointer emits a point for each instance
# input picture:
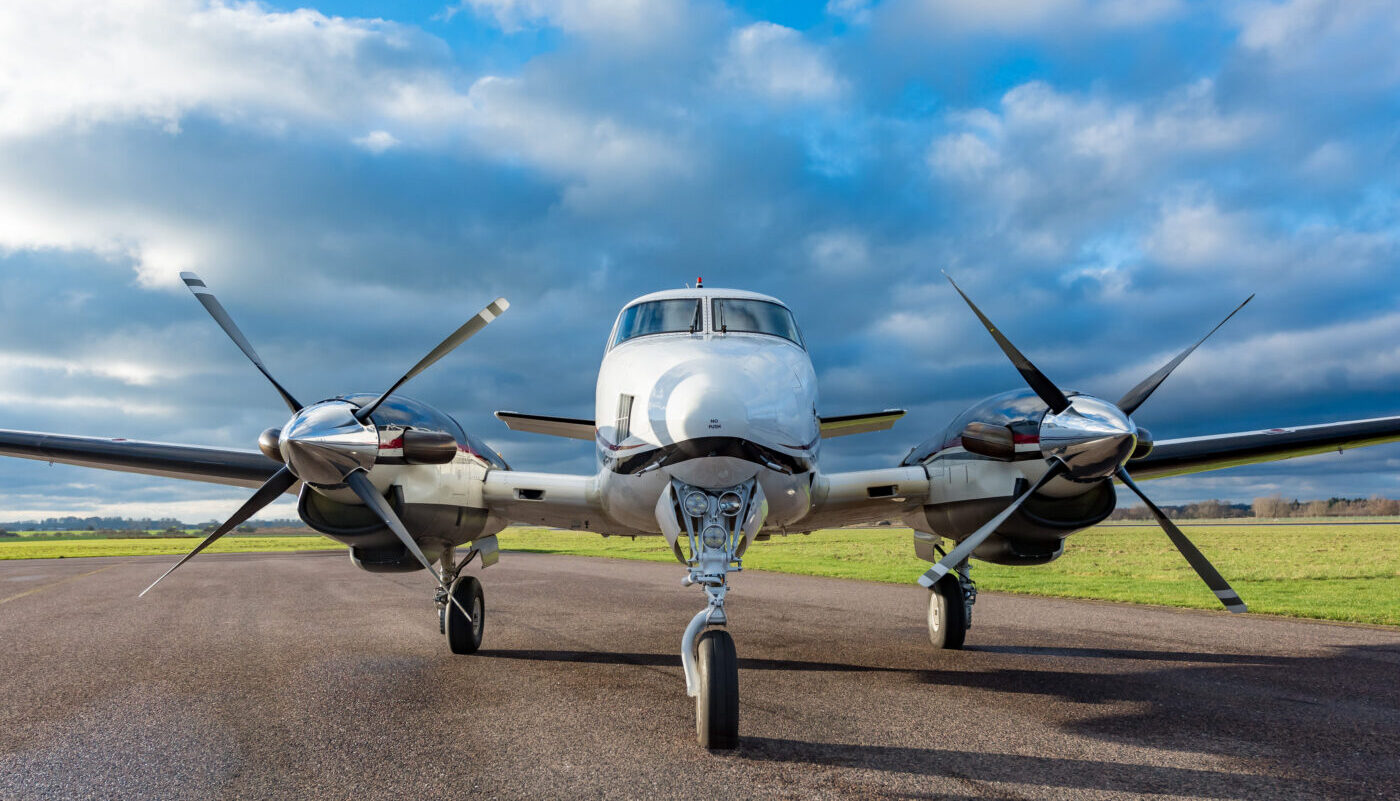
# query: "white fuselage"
(712, 408)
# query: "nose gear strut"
(718, 525)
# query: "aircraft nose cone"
(324, 443)
(701, 407)
(1092, 437)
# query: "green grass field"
(56, 548)
(1333, 572)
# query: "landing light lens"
(696, 504)
(729, 503)
(714, 537)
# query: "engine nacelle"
(987, 457)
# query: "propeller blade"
(1135, 397)
(1037, 380)
(360, 483)
(493, 310)
(270, 491)
(1199, 562)
(967, 546)
(216, 310)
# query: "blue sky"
(1107, 178)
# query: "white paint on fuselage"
(685, 386)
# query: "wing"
(844, 424)
(578, 428)
(865, 496)
(571, 427)
(214, 465)
(1175, 457)
(557, 500)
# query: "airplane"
(708, 432)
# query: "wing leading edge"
(1176, 457)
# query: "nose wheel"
(717, 703)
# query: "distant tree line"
(95, 524)
(1273, 506)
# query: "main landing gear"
(950, 608)
(719, 525)
(464, 629)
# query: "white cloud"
(1044, 165)
(777, 62)
(1200, 236)
(636, 21)
(1332, 43)
(377, 141)
(1033, 16)
(158, 61)
(854, 12)
(1345, 357)
(513, 123)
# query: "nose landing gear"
(719, 525)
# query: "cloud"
(377, 141)
(157, 62)
(631, 21)
(1324, 38)
(1036, 16)
(775, 62)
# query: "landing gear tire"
(947, 614)
(464, 637)
(717, 705)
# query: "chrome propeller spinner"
(1086, 438)
(1092, 437)
(325, 442)
(329, 443)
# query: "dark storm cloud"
(1107, 183)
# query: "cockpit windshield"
(754, 316)
(658, 317)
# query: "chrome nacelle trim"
(324, 443)
(1092, 437)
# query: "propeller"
(1130, 402)
(482, 318)
(1087, 438)
(331, 442)
(216, 310)
(270, 491)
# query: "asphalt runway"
(298, 676)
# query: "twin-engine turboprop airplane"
(708, 433)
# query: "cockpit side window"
(755, 317)
(659, 317)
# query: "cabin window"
(735, 315)
(659, 317)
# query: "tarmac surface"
(298, 676)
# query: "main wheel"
(947, 614)
(464, 637)
(717, 706)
